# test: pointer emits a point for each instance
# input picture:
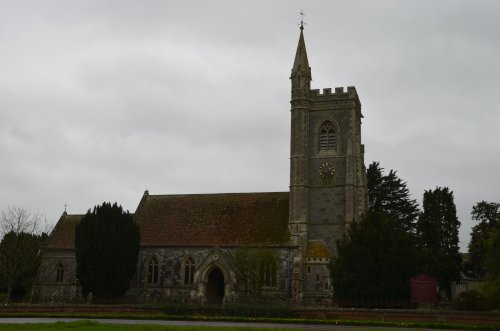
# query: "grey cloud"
(101, 100)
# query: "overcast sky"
(101, 100)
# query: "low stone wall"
(403, 315)
(4, 310)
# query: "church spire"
(301, 61)
(301, 72)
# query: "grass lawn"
(363, 325)
(94, 326)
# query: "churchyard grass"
(95, 326)
(214, 314)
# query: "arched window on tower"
(327, 137)
(189, 267)
(59, 273)
(152, 270)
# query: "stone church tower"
(327, 172)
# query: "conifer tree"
(437, 233)
(375, 260)
(389, 193)
(106, 247)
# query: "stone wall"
(171, 284)
(48, 287)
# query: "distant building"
(188, 242)
(465, 284)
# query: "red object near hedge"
(423, 289)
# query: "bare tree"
(258, 267)
(18, 220)
(20, 245)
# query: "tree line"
(21, 245)
(397, 240)
(376, 256)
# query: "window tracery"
(327, 136)
(270, 275)
(189, 267)
(59, 273)
(152, 270)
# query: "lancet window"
(152, 270)
(189, 267)
(59, 273)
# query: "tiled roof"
(199, 220)
(213, 219)
(63, 235)
(317, 248)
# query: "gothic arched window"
(59, 273)
(153, 270)
(189, 267)
(270, 275)
(327, 136)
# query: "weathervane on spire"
(302, 19)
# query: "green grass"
(95, 326)
(91, 325)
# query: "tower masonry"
(327, 171)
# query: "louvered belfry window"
(327, 136)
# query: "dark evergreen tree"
(106, 246)
(375, 260)
(19, 262)
(487, 216)
(388, 193)
(437, 234)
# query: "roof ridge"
(224, 193)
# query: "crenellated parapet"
(339, 92)
(339, 96)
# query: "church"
(189, 242)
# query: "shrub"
(470, 300)
(230, 310)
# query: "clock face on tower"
(326, 170)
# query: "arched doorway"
(215, 287)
